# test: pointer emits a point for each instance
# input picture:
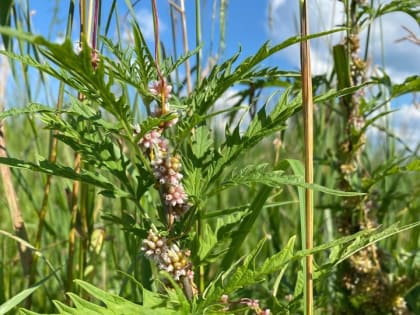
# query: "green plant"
(169, 217)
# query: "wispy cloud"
(145, 20)
(400, 58)
(406, 125)
(403, 123)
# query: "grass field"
(130, 189)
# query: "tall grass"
(130, 196)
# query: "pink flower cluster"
(162, 89)
(152, 139)
(168, 256)
(167, 171)
(166, 167)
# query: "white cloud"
(399, 58)
(322, 16)
(224, 103)
(403, 123)
(319, 63)
(406, 124)
(145, 20)
(276, 4)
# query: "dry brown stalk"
(181, 9)
(308, 123)
(411, 37)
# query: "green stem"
(52, 156)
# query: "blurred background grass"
(393, 195)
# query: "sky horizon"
(249, 24)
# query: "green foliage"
(18, 298)
(113, 304)
(242, 227)
(5, 7)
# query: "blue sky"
(247, 26)
(246, 22)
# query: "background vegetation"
(81, 193)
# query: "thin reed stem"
(185, 45)
(8, 186)
(10, 193)
(198, 37)
(174, 37)
(89, 22)
(200, 230)
(180, 7)
(52, 157)
(308, 124)
(95, 27)
(157, 38)
(77, 167)
(222, 27)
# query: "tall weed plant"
(134, 201)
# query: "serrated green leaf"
(277, 261)
(194, 182)
(259, 174)
(87, 307)
(243, 272)
(153, 300)
(154, 122)
(32, 108)
(410, 7)
(332, 94)
(367, 239)
(181, 294)
(348, 245)
(47, 167)
(65, 309)
(114, 303)
(207, 242)
(201, 142)
(413, 166)
(300, 281)
(76, 71)
(410, 85)
(261, 126)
